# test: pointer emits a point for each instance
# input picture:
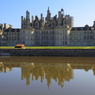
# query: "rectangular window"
(85, 37)
(52, 32)
(65, 42)
(65, 36)
(91, 37)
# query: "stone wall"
(49, 52)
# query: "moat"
(47, 75)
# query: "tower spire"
(48, 7)
(48, 11)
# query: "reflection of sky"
(82, 84)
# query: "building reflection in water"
(58, 69)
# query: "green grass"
(50, 47)
(7, 47)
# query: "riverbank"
(48, 52)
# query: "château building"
(49, 31)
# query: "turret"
(62, 12)
(27, 15)
(6, 26)
(59, 14)
(21, 21)
(42, 22)
(27, 19)
(41, 16)
(48, 14)
(48, 11)
(21, 18)
(94, 24)
(1, 27)
(32, 19)
(71, 22)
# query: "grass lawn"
(50, 47)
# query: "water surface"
(47, 76)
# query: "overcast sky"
(11, 11)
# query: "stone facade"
(82, 36)
(10, 37)
(49, 31)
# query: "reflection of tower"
(59, 72)
(61, 77)
(7, 68)
(93, 71)
(48, 77)
(1, 66)
(41, 72)
(26, 74)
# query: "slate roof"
(12, 30)
(82, 28)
